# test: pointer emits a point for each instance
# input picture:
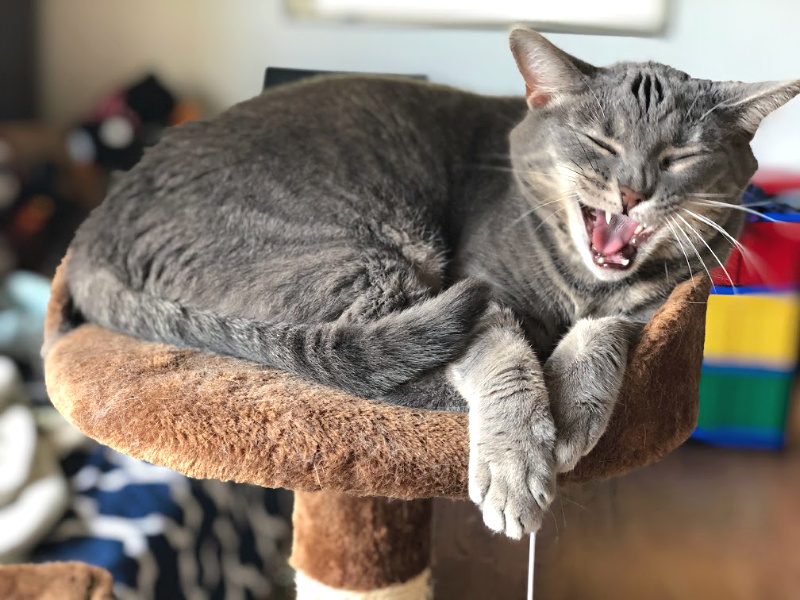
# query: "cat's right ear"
(546, 69)
(748, 103)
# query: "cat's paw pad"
(513, 483)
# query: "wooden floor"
(703, 524)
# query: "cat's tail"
(369, 359)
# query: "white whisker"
(547, 202)
(746, 253)
(694, 249)
(714, 254)
(734, 207)
(691, 106)
(709, 195)
(554, 176)
(563, 208)
(716, 226)
(579, 174)
(677, 239)
(597, 100)
(713, 108)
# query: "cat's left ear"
(749, 103)
(546, 69)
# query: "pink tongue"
(610, 238)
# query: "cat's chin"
(611, 244)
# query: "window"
(610, 16)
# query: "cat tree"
(363, 472)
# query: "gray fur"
(354, 230)
(512, 434)
(584, 375)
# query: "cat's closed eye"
(604, 146)
(677, 160)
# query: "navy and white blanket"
(165, 536)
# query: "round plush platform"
(214, 417)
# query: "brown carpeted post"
(361, 548)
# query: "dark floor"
(703, 524)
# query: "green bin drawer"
(743, 398)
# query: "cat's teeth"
(600, 260)
(608, 217)
(625, 262)
(639, 230)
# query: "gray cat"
(434, 248)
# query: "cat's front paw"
(581, 414)
(584, 376)
(577, 436)
(512, 474)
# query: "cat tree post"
(352, 547)
(220, 418)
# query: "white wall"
(218, 49)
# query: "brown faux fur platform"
(55, 581)
(214, 417)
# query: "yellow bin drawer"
(753, 329)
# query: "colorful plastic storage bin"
(752, 329)
(743, 407)
(752, 345)
(749, 362)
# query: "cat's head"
(637, 162)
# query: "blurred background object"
(18, 59)
(612, 16)
(753, 325)
(87, 85)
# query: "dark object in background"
(41, 200)
(49, 181)
(151, 101)
(41, 219)
(115, 134)
(279, 75)
(154, 105)
(18, 73)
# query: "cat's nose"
(630, 198)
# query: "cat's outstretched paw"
(511, 430)
(512, 476)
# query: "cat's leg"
(512, 435)
(432, 391)
(584, 375)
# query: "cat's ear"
(547, 70)
(748, 103)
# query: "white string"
(531, 561)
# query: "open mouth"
(614, 239)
